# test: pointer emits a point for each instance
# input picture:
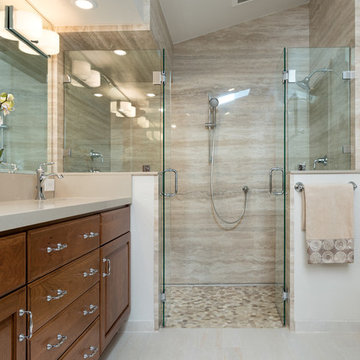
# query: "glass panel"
(280, 157)
(319, 109)
(168, 185)
(112, 111)
(215, 270)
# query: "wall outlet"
(49, 185)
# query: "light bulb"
(85, 4)
(120, 52)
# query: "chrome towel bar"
(299, 186)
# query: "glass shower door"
(168, 188)
(278, 191)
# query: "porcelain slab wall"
(323, 297)
(249, 55)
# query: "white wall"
(326, 297)
(142, 254)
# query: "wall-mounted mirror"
(113, 111)
(23, 74)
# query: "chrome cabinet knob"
(22, 337)
(60, 293)
(91, 272)
(59, 247)
(108, 270)
(93, 350)
(61, 339)
(90, 235)
(92, 309)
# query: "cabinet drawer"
(47, 297)
(55, 337)
(12, 262)
(114, 223)
(53, 246)
(87, 344)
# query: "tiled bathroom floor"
(221, 307)
(233, 344)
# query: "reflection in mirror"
(112, 111)
(24, 130)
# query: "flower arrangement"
(6, 103)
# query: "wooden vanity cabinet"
(12, 325)
(12, 263)
(76, 291)
(114, 287)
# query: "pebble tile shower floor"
(221, 307)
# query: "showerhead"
(214, 102)
(305, 83)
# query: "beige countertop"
(19, 213)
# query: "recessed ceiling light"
(98, 95)
(232, 89)
(227, 113)
(120, 52)
(173, 126)
(85, 4)
(150, 95)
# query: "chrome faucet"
(96, 155)
(12, 168)
(41, 176)
(323, 160)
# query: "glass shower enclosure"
(319, 108)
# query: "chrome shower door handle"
(272, 170)
(162, 173)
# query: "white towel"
(328, 218)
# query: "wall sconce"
(81, 69)
(28, 23)
(23, 25)
(94, 80)
(125, 109)
(143, 122)
(49, 42)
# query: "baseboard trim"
(326, 326)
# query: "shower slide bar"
(299, 186)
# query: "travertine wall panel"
(247, 56)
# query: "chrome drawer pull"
(108, 273)
(60, 294)
(91, 272)
(94, 350)
(61, 340)
(90, 235)
(59, 247)
(22, 337)
(92, 308)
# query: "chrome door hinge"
(163, 297)
(348, 75)
(289, 76)
(285, 75)
(285, 296)
(159, 78)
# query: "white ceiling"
(107, 12)
(187, 19)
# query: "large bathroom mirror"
(113, 111)
(23, 129)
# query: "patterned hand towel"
(328, 218)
